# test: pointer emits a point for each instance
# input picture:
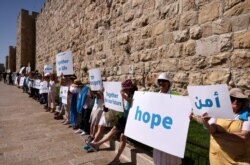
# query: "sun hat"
(164, 76)
(237, 93)
(77, 83)
(127, 84)
(46, 74)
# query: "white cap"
(164, 76)
(46, 74)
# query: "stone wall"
(195, 41)
(26, 39)
(6, 62)
(12, 58)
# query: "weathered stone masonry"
(26, 39)
(195, 41)
(12, 58)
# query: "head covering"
(164, 76)
(72, 77)
(237, 93)
(46, 74)
(77, 83)
(127, 84)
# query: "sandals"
(89, 139)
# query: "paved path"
(28, 135)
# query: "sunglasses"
(162, 81)
(238, 99)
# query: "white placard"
(21, 81)
(213, 99)
(160, 121)
(36, 84)
(16, 80)
(64, 64)
(44, 87)
(95, 79)
(112, 96)
(64, 94)
(47, 69)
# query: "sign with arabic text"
(211, 99)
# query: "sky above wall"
(9, 10)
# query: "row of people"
(85, 111)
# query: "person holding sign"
(160, 157)
(230, 139)
(127, 92)
(52, 94)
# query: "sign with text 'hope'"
(160, 121)
(95, 79)
(211, 99)
(64, 64)
(112, 95)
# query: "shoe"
(75, 127)
(89, 139)
(91, 148)
(83, 133)
(52, 110)
(56, 114)
(66, 122)
(79, 131)
(58, 117)
(86, 147)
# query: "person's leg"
(49, 101)
(106, 137)
(123, 141)
(99, 133)
(53, 96)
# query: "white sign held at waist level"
(160, 121)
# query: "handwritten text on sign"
(160, 121)
(64, 94)
(64, 64)
(213, 99)
(95, 79)
(47, 69)
(112, 96)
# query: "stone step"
(131, 154)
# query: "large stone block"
(195, 78)
(240, 22)
(221, 26)
(216, 77)
(240, 59)
(241, 78)
(169, 65)
(209, 12)
(174, 50)
(208, 46)
(207, 29)
(189, 48)
(181, 36)
(187, 5)
(181, 77)
(231, 3)
(240, 8)
(188, 19)
(226, 42)
(242, 39)
(129, 16)
(172, 24)
(195, 32)
(222, 60)
(137, 2)
(159, 28)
